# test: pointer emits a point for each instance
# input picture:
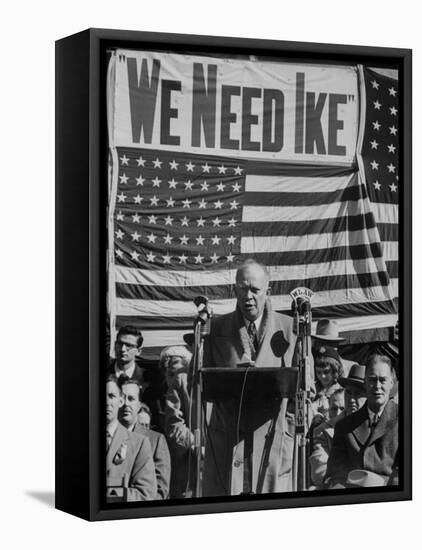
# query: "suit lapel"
(382, 425)
(362, 430)
(120, 435)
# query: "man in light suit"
(129, 462)
(249, 445)
(367, 440)
(128, 415)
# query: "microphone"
(204, 314)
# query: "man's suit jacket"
(161, 456)
(130, 454)
(264, 427)
(358, 446)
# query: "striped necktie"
(253, 335)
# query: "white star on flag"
(200, 240)
(230, 258)
(168, 220)
(119, 234)
(123, 179)
(392, 92)
(119, 253)
(150, 257)
(134, 255)
(222, 169)
(214, 258)
(204, 186)
(120, 216)
(157, 163)
(152, 238)
(202, 203)
(221, 186)
(198, 259)
(136, 218)
(206, 168)
(391, 168)
(231, 239)
(186, 203)
(393, 111)
(135, 236)
(156, 182)
(124, 160)
(154, 200)
(170, 202)
(166, 258)
(393, 187)
(377, 185)
(182, 259)
(374, 144)
(138, 199)
(168, 238)
(374, 165)
(236, 187)
(216, 222)
(216, 240)
(172, 184)
(376, 125)
(152, 220)
(190, 166)
(122, 197)
(238, 171)
(200, 222)
(218, 204)
(185, 222)
(188, 185)
(184, 240)
(140, 181)
(375, 84)
(140, 161)
(173, 165)
(233, 205)
(377, 105)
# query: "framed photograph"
(233, 274)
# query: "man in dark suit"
(129, 462)
(128, 349)
(366, 442)
(128, 415)
(249, 446)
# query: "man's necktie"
(108, 440)
(253, 335)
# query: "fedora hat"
(356, 377)
(327, 330)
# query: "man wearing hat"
(365, 443)
(354, 396)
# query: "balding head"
(252, 289)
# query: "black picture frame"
(81, 145)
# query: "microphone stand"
(201, 329)
(302, 327)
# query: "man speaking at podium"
(249, 440)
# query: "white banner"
(234, 107)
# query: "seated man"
(129, 462)
(128, 416)
(353, 398)
(367, 440)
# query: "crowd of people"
(249, 440)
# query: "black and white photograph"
(253, 276)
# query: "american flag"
(182, 223)
(380, 154)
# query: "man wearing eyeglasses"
(365, 443)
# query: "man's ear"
(138, 351)
(268, 290)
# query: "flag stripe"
(174, 308)
(308, 227)
(303, 199)
(305, 213)
(316, 284)
(277, 184)
(251, 245)
(385, 213)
